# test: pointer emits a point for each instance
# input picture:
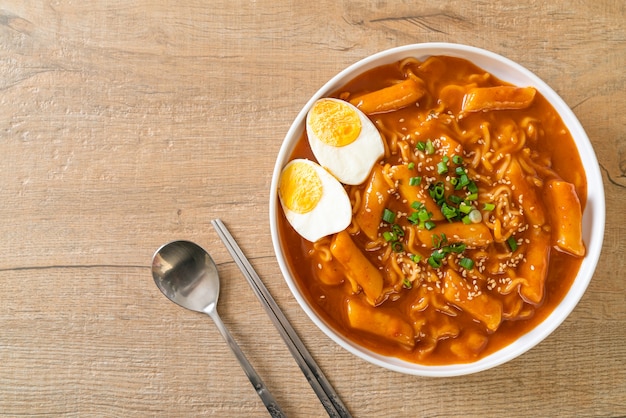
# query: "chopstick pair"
(324, 390)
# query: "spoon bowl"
(188, 276)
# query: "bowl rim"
(593, 216)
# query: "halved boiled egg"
(343, 140)
(314, 202)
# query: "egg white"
(333, 212)
(352, 163)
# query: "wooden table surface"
(127, 124)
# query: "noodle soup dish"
(437, 209)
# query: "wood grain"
(124, 125)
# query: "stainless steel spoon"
(187, 275)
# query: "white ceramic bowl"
(593, 217)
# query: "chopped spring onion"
(397, 229)
(430, 148)
(394, 236)
(407, 283)
(449, 212)
(415, 181)
(465, 208)
(413, 218)
(423, 215)
(472, 196)
(397, 247)
(429, 225)
(416, 258)
(512, 243)
(457, 247)
(389, 236)
(475, 216)
(389, 216)
(417, 205)
(455, 199)
(437, 191)
(457, 159)
(437, 240)
(434, 263)
(462, 182)
(442, 167)
(489, 207)
(436, 258)
(467, 263)
(444, 239)
(439, 254)
(411, 165)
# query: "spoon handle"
(321, 386)
(255, 379)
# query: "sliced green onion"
(397, 230)
(457, 159)
(389, 236)
(411, 165)
(437, 192)
(421, 146)
(439, 240)
(465, 208)
(434, 263)
(457, 248)
(512, 243)
(454, 181)
(475, 216)
(448, 211)
(430, 148)
(407, 283)
(467, 263)
(417, 205)
(438, 255)
(463, 181)
(413, 218)
(472, 187)
(466, 220)
(389, 216)
(472, 197)
(436, 239)
(489, 207)
(416, 258)
(397, 247)
(415, 181)
(455, 199)
(429, 225)
(442, 167)
(459, 171)
(423, 215)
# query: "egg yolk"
(300, 187)
(334, 123)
